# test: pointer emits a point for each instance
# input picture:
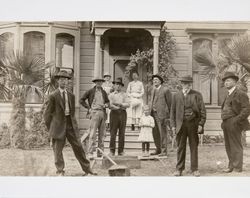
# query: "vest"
(156, 95)
(188, 111)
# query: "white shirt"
(230, 91)
(67, 112)
(158, 87)
(185, 91)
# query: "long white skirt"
(134, 113)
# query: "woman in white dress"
(135, 91)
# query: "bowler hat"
(186, 79)
(63, 74)
(118, 81)
(159, 77)
(106, 74)
(230, 75)
(96, 79)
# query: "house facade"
(94, 48)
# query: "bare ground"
(14, 162)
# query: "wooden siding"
(87, 57)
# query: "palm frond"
(24, 71)
(204, 55)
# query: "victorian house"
(94, 48)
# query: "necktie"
(64, 99)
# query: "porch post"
(156, 54)
(97, 65)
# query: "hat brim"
(62, 76)
(107, 75)
(233, 77)
(116, 82)
(186, 80)
(157, 76)
(98, 80)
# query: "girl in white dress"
(135, 92)
(146, 130)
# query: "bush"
(4, 136)
(37, 135)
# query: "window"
(34, 44)
(6, 43)
(201, 82)
(6, 47)
(33, 47)
(65, 50)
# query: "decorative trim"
(214, 31)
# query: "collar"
(230, 91)
(62, 90)
(158, 87)
(185, 91)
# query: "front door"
(119, 71)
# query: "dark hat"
(100, 79)
(106, 74)
(63, 74)
(159, 77)
(230, 75)
(118, 81)
(186, 79)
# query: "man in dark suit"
(187, 119)
(160, 105)
(60, 120)
(234, 114)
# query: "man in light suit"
(187, 119)
(60, 120)
(160, 105)
(234, 114)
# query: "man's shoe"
(60, 173)
(178, 173)
(196, 173)
(155, 153)
(228, 170)
(238, 170)
(162, 155)
(121, 153)
(91, 172)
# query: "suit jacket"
(54, 115)
(163, 102)
(177, 109)
(241, 107)
(90, 94)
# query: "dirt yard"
(212, 160)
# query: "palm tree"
(24, 74)
(234, 57)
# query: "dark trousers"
(58, 145)
(160, 133)
(145, 146)
(188, 130)
(118, 120)
(233, 144)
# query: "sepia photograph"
(125, 98)
(151, 98)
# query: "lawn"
(40, 162)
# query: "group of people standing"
(182, 113)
